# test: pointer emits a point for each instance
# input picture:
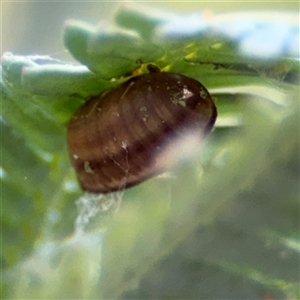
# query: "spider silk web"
(89, 205)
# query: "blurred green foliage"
(224, 225)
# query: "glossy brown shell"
(120, 138)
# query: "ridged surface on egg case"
(117, 139)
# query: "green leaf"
(108, 53)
